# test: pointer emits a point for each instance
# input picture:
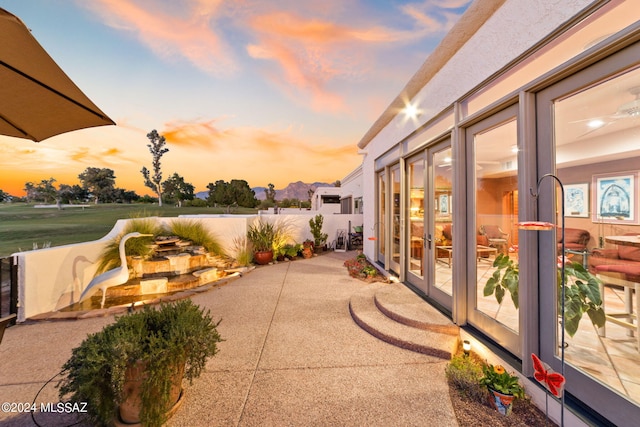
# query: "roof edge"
(468, 24)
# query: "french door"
(429, 242)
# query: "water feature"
(172, 270)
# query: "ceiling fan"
(627, 110)
(632, 108)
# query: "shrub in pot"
(155, 347)
(291, 251)
(503, 387)
(262, 235)
(319, 238)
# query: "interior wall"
(584, 174)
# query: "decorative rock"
(179, 263)
(153, 286)
(207, 275)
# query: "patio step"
(396, 315)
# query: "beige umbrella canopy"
(37, 99)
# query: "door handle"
(427, 240)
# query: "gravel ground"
(472, 413)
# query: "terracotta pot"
(129, 410)
(501, 402)
(307, 253)
(263, 257)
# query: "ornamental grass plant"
(196, 233)
(110, 256)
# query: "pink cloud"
(311, 54)
(170, 34)
(308, 50)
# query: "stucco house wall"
(511, 28)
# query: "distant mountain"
(295, 190)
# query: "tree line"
(97, 185)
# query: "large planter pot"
(501, 402)
(129, 410)
(263, 257)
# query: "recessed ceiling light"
(595, 123)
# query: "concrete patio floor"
(292, 356)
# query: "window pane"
(496, 216)
(596, 135)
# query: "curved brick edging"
(367, 315)
(409, 309)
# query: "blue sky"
(266, 91)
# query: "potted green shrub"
(262, 235)
(503, 387)
(132, 369)
(319, 238)
(290, 251)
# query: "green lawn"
(22, 225)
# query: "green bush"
(163, 340)
(463, 373)
(315, 224)
(195, 203)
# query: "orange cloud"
(254, 154)
(168, 33)
(106, 156)
(194, 134)
(312, 53)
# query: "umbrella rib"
(18, 128)
(47, 87)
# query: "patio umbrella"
(37, 99)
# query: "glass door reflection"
(396, 228)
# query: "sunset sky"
(270, 91)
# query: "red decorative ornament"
(552, 381)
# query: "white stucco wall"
(352, 185)
(513, 29)
(53, 278)
(325, 208)
(46, 276)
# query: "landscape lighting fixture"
(466, 347)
